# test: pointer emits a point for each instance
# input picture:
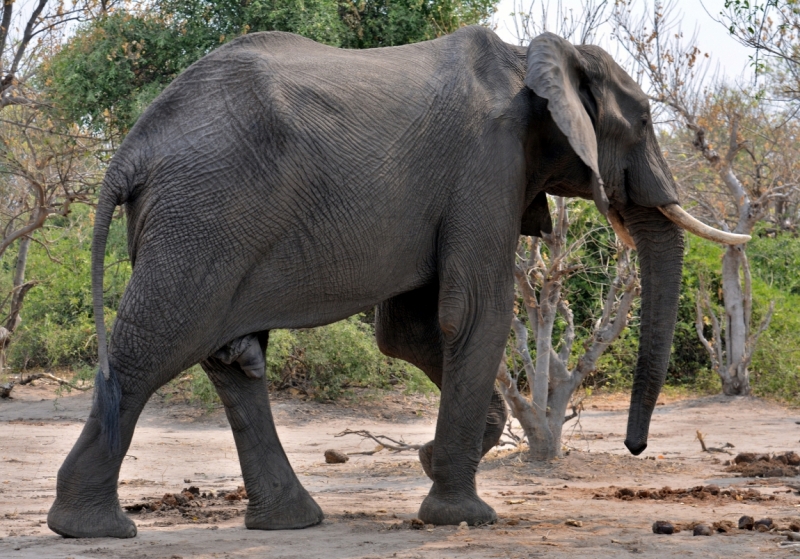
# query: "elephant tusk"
(680, 217)
(619, 228)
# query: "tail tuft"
(107, 395)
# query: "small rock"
(723, 526)
(463, 525)
(573, 522)
(417, 524)
(746, 523)
(763, 525)
(702, 530)
(624, 492)
(335, 457)
(663, 527)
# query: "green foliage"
(114, 66)
(776, 363)
(324, 361)
(112, 69)
(321, 362)
(200, 388)
(775, 370)
(57, 326)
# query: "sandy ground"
(370, 501)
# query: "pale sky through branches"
(712, 37)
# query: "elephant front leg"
(407, 327)
(475, 327)
(277, 500)
(495, 423)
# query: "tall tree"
(39, 175)
(771, 28)
(45, 168)
(114, 66)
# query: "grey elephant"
(280, 183)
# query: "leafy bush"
(325, 361)
(57, 327)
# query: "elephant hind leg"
(86, 503)
(277, 500)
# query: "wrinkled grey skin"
(279, 183)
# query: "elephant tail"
(107, 390)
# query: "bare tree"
(44, 164)
(580, 26)
(26, 36)
(744, 181)
(45, 167)
(772, 29)
(540, 276)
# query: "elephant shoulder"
(488, 55)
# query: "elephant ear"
(554, 68)
(536, 219)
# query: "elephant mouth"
(682, 219)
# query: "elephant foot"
(297, 511)
(454, 510)
(82, 522)
(426, 457)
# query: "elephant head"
(602, 114)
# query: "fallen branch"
(711, 448)
(383, 441)
(61, 381)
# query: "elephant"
(281, 183)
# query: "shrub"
(324, 361)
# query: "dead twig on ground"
(712, 448)
(36, 376)
(5, 389)
(383, 441)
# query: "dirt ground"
(596, 502)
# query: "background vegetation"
(69, 99)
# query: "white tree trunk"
(551, 382)
(735, 376)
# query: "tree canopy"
(115, 65)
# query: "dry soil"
(598, 501)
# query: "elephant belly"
(296, 288)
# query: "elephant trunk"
(660, 247)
